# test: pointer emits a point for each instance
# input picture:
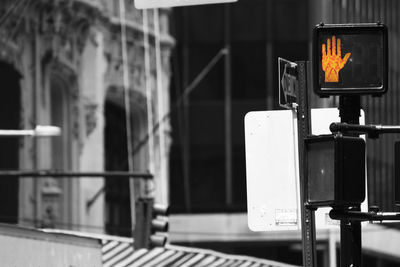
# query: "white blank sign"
(272, 182)
(273, 189)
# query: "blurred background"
(165, 91)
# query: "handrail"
(371, 216)
(373, 131)
(75, 174)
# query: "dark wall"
(257, 32)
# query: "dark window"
(10, 107)
(118, 220)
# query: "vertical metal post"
(350, 232)
(186, 114)
(36, 111)
(228, 109)
(307, 215)
(269, 52)
(332, 249)
(144, 209)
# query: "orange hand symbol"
(332, 61)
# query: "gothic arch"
(61, 76)
(61, 102)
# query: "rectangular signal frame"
(340, 88)
(335, 170)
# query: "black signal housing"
(363, 72)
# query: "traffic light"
(336, 170)
(159, 225)
(151, 224)
(350, 59)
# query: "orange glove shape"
(332, 61)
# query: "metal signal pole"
(350, 231)
(303, 122)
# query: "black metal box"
(350, 59)
(335, 170)
(397, 172)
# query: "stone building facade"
(62, 64)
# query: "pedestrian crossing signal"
(332, 61)
(350, 59)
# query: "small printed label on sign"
(286, 217)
